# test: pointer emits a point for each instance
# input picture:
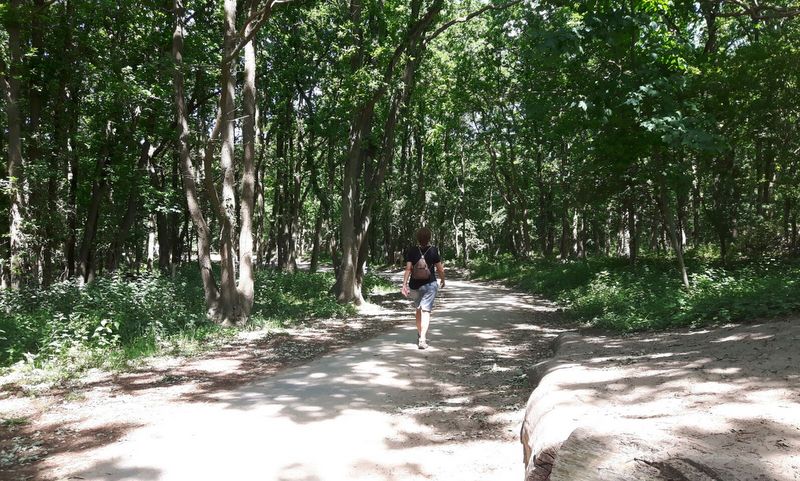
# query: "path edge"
(547, 425)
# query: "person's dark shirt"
(432, 258)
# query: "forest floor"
(339, 400)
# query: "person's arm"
(440, 270)
(406, 275)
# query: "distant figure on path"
(419, 280)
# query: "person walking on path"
(419, 281)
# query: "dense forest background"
(144, 135)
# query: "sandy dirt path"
(377, 410)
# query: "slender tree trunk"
(260, 207)
(669, 225)
(176, 234)
(293, 223)
(565, 235)
(284, 189)
(463, 209)
(37, 101)
(246, 279)
(229, 297)
(550, 226)
(292, 205)
(315, 249)
(115, 253)
(72, 193)
(696, 205)
(210, 291)
(272, 242)
(99, 188)
(164, 240)
(151, 241)
(11, 91)
(633, 233)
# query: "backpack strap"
(422, 254)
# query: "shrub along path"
(258, 409)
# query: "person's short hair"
(423, 236)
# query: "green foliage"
(376, 284)
(109, 313)
(612, 294)
(116, 319)
(284, 299)
(14, 422)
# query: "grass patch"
(14, 423)
(612, 294)
(377, 285)
(283, 299)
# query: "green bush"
(375, 284)
(283, 299)
(610, 293)
(124, 318)
(107, 313)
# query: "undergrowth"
(112, 321)
(611, 293)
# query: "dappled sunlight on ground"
(378, 410)
(726, 398)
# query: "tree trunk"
(696, 205)
(293, 205)
(164, 231)
(323, 196)
(176, 234)
(259, 209)
(356, 217)
(37, 101)
(115, 253)
(346, 288)
(72, 195)
(669, 225)
(246, 278)
(315, 249)
(210, 291)
(11, 91)
(272, 244)
(99, 187)
(633, 234)
(565, 235)
(229, 297)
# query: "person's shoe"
(421, 344)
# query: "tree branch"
(416, 30)
(257, 20)
(758, 12)
(469, 17)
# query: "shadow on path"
(381, 409)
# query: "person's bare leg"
(425, 321)
(419, 322)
